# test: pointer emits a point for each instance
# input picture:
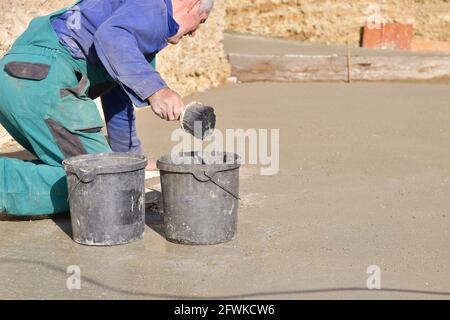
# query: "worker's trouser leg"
(32, 188)
(44, 105)
(120, 120)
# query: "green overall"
(46, 105)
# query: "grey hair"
(206, 6)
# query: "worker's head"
(189, 14)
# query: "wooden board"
(250, 68)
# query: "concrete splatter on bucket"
(106, 197)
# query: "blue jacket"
(120, 35)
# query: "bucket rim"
(71, 166)
(164, 164)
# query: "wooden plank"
(250, 68)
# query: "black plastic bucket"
(200, 197)
(106, 198)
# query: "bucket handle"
(208, 175)
(84, 176)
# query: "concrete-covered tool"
(198, 119)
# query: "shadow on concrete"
(153, 212)
(62, 220)
(253, 295)
(11, 218)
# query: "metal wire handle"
(73, 189)
(82, 176)
(220, 186)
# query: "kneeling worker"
(54, 70)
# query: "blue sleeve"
(136, 29)
(121, 122)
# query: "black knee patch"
(68, 142)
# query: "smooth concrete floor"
(364, 180)
(249, 44)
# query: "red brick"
(388, 35)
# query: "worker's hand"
(167, 104)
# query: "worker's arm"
(121, 122)
(136, 29)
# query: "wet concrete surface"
(248, 44)
(364, 180)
